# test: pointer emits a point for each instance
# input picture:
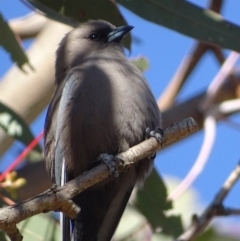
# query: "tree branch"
(29, 93)
(191, 107)
(216, 208)
(210, 125)
(59, 198)
(186, 67)
(29, 26)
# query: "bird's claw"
(157, 134)
(109, 160)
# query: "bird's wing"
(60, 166)
(49, 134)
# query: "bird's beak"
(118, 33)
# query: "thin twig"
(198, 166)
(231, 211)
(7, 200)
(209, 126)
(219, 79)
(216, 208)
(229, 107)
(184, 70)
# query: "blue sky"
(165, 50)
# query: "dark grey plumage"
(101, 104)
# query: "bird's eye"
(93, 36)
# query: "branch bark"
(29, 26)
(58, 198)
(216, 208)
(191, 107)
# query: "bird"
(101, 104)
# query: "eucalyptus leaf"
(9, 42)
(40, 227)
(15, 126)
(141, 63)
(152, 202)
(74, 11)
(3, 236)
(188, 19)
(130, 225)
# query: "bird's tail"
(101, 209)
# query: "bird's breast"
(108, 113)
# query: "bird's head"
(89, 39)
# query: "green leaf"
(15, 126)
(152, 202)
(53, 11)
(3, 236)
(161, 237)
(141, 63)
(9, 42)
(187, 205)
(40, 227)
(188, 19)
(73, 11)
(130, 225)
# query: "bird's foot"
(110, 162)
(157, 134)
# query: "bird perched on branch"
(101, 104)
